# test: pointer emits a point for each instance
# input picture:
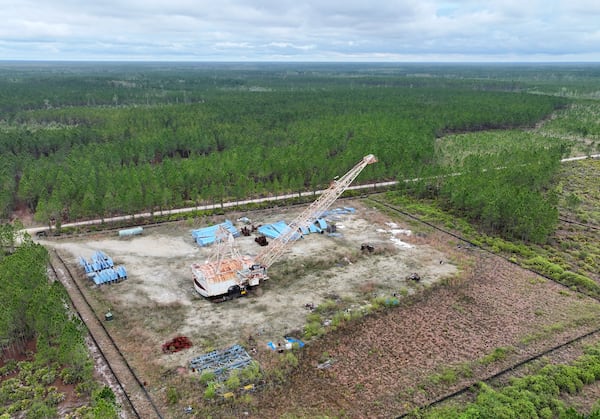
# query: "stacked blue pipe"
(101, 261)
(101, 269)
(87, 267)
(110, 275)
(121, 272)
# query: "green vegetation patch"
(537, 395)
(497, 354)
(99, 145)
(579, 125)
(571, 256)
(33, 309)
(454, 150)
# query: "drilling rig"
(228, 274)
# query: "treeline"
(510, 193)
(241, 134)
(28, 86)
(76, 162)
(34, 310)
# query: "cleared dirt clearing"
(158, 301)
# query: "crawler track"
(138, 400)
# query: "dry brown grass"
(492, 304)
(368, 287)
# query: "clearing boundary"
(139, 402)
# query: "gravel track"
(134, 398)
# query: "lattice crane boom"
(278, 246)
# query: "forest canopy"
(80, 141)
(36, 313)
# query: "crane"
(228, 274)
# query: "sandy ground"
(159, 297)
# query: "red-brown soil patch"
(23, 213)
(71, 400)
(18, 353)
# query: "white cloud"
(388, 30)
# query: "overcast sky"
(295, 30)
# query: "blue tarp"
(339, 211)
(289, 340)
(277, 229)
(274, 230)
(294, 340)
(319, 226)
(205, 241)
(336, 213)
(207, 235)
(322, 224)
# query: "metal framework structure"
(224, 248)
(228, 272)
(278, 246)
(222, 362)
